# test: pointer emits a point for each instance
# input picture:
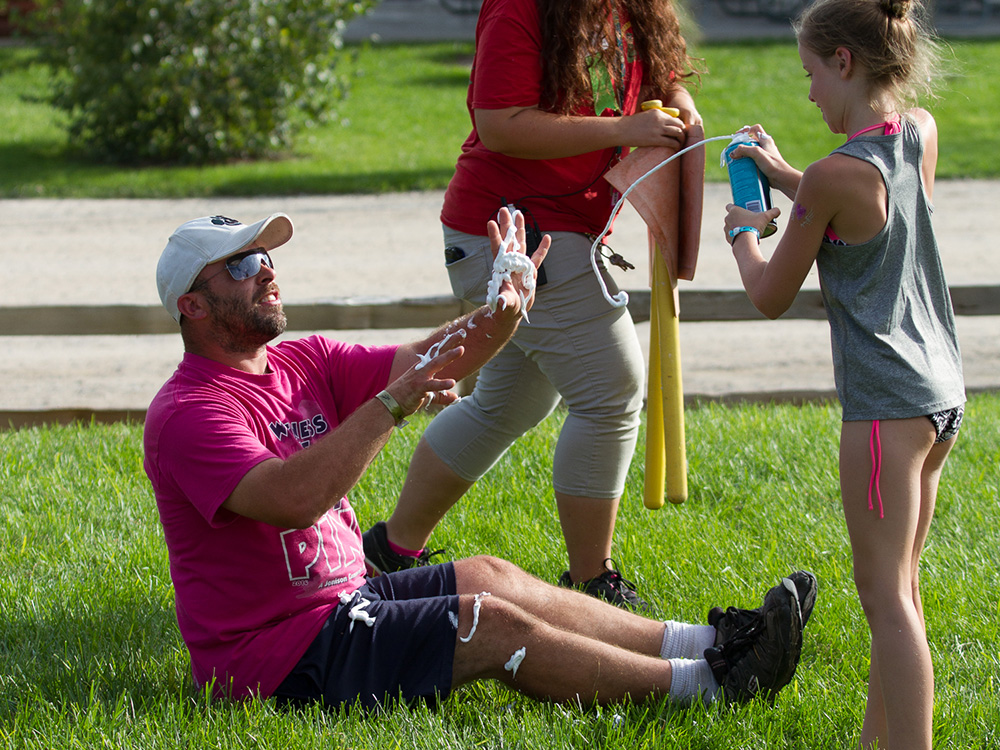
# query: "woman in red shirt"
(553, 97)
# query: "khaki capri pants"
(576, 347)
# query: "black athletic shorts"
(405, 653)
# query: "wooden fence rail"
(422, 312)
(384, 313)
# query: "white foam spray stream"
(431, 353)
(507, 263)
(515, 661)
(621, 299)
(357, 612)
(475, 616)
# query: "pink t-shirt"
(250, 596)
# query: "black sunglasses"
(242, 266)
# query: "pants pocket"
(470, 275)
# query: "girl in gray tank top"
(863, 215)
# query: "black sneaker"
(379, 557)
(610, 586)
(760, 657)
(727, 622)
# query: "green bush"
(194, 81)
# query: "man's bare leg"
(558, 644)
(502, 640)
(556, 664)
(565, 609)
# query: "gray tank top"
(895, 349)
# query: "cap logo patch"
(225, 220)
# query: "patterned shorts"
(947, 423)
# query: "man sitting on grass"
(251, 449)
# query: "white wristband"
(739, 230)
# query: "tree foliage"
(194, 81)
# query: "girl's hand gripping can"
(750, 187)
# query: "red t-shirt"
(251, 597)
(507, 72)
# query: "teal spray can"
(750, 187)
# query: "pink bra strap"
(875, 445)
(890, 127)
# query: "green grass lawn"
(404, 122)
(90, 654)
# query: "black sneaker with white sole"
(610, 586)
(727, 622)
(760, 656)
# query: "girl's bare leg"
(886, 559)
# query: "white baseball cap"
(200, 242)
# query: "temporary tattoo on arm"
(803, 215)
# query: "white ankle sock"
(691, 678)
(682, 640)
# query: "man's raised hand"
(514, 287)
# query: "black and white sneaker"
(380, 558)
(727, 622)
(760, 656)
(610, 586)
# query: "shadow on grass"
(30, 170)
(72, 659)
(37, 172)
(387, 181)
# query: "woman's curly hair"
(575, 31)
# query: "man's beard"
(243, 327)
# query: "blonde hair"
(888, 38)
